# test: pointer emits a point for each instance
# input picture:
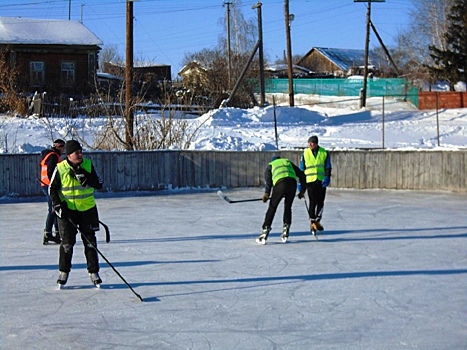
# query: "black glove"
(301, 194)
(81, 175)
(265, 197)
(61, 210)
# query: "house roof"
(18, 30)
(344, 58)
(274, 68)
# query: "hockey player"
(50, 157)
(316, 163)
(280, 177)
(72, 192)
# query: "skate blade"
(60, 286)
(97, 285)
(261, 241)
(284, 239)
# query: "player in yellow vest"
(280, 177)
(72, 193)
(316, 164)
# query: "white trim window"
(68, 73)
(37, 73)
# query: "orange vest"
(45, 181)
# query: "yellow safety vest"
(314, 166)
(281, 168)
(72, 192)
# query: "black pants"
(51, 220)
(316, 195)
(285, 188)
(88, 223)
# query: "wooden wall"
(441, 99)
(155, 170)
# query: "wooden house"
(338, 62)
(53, 56)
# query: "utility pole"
(69, 9)
(229, 51)
(129, 76)
(288, 19)
(367, 50)
(261, 59)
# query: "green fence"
(377, 87)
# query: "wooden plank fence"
(168, 169)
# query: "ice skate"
(49, 238)
(263, 236)
(62, 279)
(95, 279)
(313, 229)
(318, 225)
(285, 233)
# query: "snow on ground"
(389, 272)
(339, 123)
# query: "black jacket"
(268, 177)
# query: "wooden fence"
(156, 170)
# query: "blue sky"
(166, 30)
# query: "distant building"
(55, 56)
(338, 62)
(194, 74)
(148, 77)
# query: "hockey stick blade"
(223, 196)
(107, 232)
(228, 200)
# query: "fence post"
(437, 117)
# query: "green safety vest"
(314, 166)
(72, 192)
(281, 168)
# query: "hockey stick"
(228, 200)
(107, 232)
(107, 261)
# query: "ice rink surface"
(389, 272)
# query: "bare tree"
(10, 100)
(211, 81)
(428, 27)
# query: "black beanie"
(313, 139)
(72, 146)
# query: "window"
(37, 73)
(68, 73)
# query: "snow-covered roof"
(108, 76)
(18, 30)
(284, 67)
(345, 58)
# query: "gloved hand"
(301, 194)
(61, 210)
(326, 181)
(81, 175)
(265, 197)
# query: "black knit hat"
(59, 142)
(313, 139)
(72, 146)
